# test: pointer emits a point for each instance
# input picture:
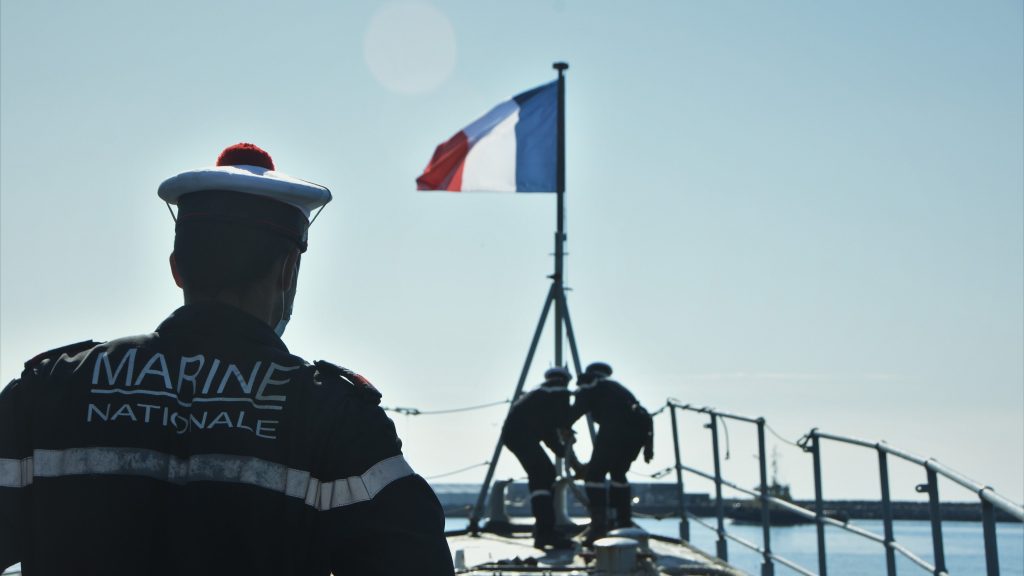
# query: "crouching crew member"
(624, 428)
(537, 417)
(206, 447)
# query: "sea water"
(849, 554)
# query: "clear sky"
(807, 211)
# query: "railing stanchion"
(819, 505)
(883, 477)
(932, 488)
(988, 519)
(767, 567)
(684, 522)
(722, 546)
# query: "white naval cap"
(248, 169)
(244, 189)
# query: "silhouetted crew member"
(624, 428)
(536, 417)
(206, 447)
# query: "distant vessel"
(749, 511)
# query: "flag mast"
(558, 293)
(555, 299)
(560, 191)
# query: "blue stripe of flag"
(536, 139)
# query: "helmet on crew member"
(598, 370)
(559, 375)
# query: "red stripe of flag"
(444, 172)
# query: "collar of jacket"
(219, 319)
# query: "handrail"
(984, 492)
(755, 548)
(737, 539)
(995, 499)
(709, 410)
(990, 500)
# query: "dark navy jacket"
(536, 417)
(206, 448)
(609, 403)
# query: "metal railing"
(990, 501)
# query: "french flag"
(512, 148)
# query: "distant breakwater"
(659, 500)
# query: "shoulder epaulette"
(360, 385)
(70, 349)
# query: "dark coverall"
(534, 418)
(206, 448)
(624, 428)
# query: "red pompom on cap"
(245, 154)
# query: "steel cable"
(777, 435)
(456, 471)
(418, 412)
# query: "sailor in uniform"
(538, 417)
(206, 446)
(624, 427)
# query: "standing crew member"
(624, 428)
(536, 417)
(206, 447)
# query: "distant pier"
(659, 500)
